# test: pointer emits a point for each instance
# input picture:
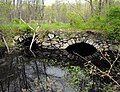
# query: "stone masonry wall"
(61, 40)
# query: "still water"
(21, 72)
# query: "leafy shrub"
(75, 20)
(113, 22)
(96, 22)
(109, 22)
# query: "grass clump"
(49, 26)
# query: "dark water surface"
(47, 72)
(20, 72)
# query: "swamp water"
(48, 72)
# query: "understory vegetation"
(106, 19)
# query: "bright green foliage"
(113, 22)
(95, 22)
(75, 20)
(109, 22)
(49, 26)
(14, 28)
(16, 24)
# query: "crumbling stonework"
(61, 40)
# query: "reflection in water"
(55, 71)
(45, 73)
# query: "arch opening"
(83, 49)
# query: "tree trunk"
(91, 5)
(99, 7)
(42, 11)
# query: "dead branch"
(104, 57)
(6, 44)
(26, 24)
(3, 38)
(113, 63)
(33, 38)
(102, 72)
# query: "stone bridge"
(19, 69)
(61, 40)
(86, 45)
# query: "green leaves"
(113, 23)
(109, 22)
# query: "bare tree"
(100, 7)
(42, 10)
(91, 6)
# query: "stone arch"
(82, 48)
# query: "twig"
(103, 73)
(113, 63)
(107, 74)
(6, 44)
(33, 41)
(30, 48)
(113, 80)
(33, 38)
(105, 57)
(26, 24)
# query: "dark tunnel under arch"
(83, 49)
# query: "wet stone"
(57, 45)
(90, 41)
(64, 46)
(51, 35)
(65, 40)
(96, 46)
(69, 42)
(46, 44)
(82, 39)
(54, 42)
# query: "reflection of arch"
(83, 49)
